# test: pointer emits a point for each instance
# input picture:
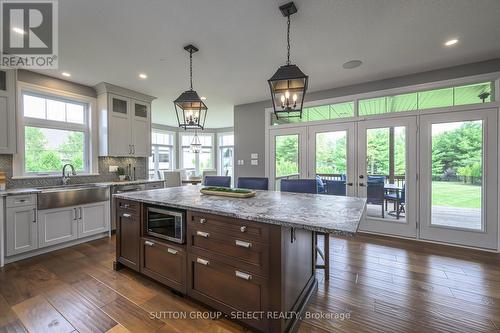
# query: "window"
(322, 112)
(197, 162)
(226, 153)
(55, 131)
(162, 153)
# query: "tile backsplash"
(140, 164)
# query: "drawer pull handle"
(20, 201)
(203, 234)
(243, 276)
(148, 243)
(126, 215)
(202, 261)
(172, 251)
(203, 221)
(126, 206)
(243, 244)
(243, 229)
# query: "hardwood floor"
(376, 284)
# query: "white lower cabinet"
(93, 219)
(58, 225)
(21, 229)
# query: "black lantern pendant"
(289, 84)
(190, 110)
(195, 145)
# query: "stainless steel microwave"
(168, 224)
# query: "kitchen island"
(252, 259)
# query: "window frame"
(155, 147)
(197, 156)
(89, 128)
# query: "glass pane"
(186, 140)
(372, 106)
(331, 161)
(435, 98)
(162, 138)
(188, 159)
(75, 113)
(3, 80)
(386, 172)
(401, 103)
(164, 158)
(227, 161)
(286, 157)
(47, 150)
(227, 140)
(56, 110)
(34, 107)
(119, 105)
(141, 110)
(205, 160)
(473, 94)
(206, 140)
(342, 110)
(457, 171)
(317, 113)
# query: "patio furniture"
(311, 186)
(222, 181)
(320, 184)
(253, 183)
(299, 185)
(375, 191)
(397, 196)
(335, 187)
(172, 178)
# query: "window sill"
(54, 176)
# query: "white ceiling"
(242, 42)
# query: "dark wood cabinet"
(128, 234)
(165, 263)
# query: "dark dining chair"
(398, 198)
(253, 183)
(311, 186)
(335, 187)
(221, 181)
(299, 185)
(375, 192)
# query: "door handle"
(148, 243)
(242, 275)
(172, 251)
(243, 228)
(74, 214)
(202, 220)
(361, 184)
(79, 213)
(202, 234)
(133, 149)
(350, 184)
(126, 215)
(34, 215)
(243, 244)
(202, 261)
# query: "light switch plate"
(255, 162)
(113, 168)
(254, 156)
(241, 162)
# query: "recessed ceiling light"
(451, 42)
(66, 74)
(143, 76)
(203, 98)
(18, 30)
(352, 64)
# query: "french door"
(288, 155)
(386, 175)
(458, 178)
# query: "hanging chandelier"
(190, 110)
(195, 145)
(289, 84)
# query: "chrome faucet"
(65, 177)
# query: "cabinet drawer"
(129, 206)
(241, 253)
(20, 200)
(226, 288)
(164, 263)
(128, 239)
(233, 227)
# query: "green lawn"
(454, 194)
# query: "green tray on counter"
(228, 192)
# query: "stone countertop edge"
(350, 229)
(28, 190)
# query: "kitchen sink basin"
(71, 195)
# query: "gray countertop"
(24, 191)
(324, 213)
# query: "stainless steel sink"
(71, 195)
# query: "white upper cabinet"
(8, 112)
(124, 121)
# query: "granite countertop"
(24, 191)
(316, 212)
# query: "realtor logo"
(29, 34)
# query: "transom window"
(55, 131)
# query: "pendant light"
(289, 84)
(195, 145)
(190, 110)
